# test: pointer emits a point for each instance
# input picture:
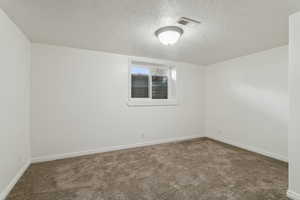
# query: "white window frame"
(149, 63)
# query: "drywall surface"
(14, 103)
(294, 93)
(79, 104)
(247, 102)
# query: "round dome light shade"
(169, 35)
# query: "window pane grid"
(159, 87)
(139, 86)
(150, 82)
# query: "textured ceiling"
(230, 28)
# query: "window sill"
(153, 102)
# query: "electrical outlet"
(220, 132)
(142, 135)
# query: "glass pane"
(140, 70)
(159, 87)
(139, 86)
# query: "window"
(139, 83)
(151, 84)
(159, 87)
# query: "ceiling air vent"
(187, 21)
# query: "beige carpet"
(199, 169)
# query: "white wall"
(79, 104)
(294, 93)
(14, 103)
(247, 102)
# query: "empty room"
(149, 100)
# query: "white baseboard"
(251, 148)
(112, 148)
(13, 182)
(293, 195)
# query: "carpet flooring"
(199, 169)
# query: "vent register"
(185, 21)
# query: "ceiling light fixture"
(169, 35)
